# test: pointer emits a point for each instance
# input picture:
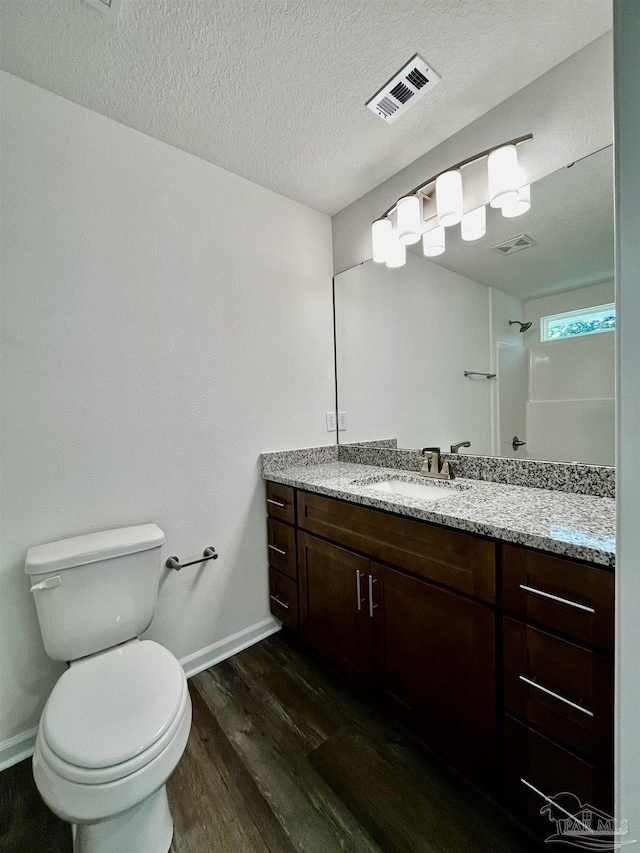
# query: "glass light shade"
(505, 176)
(433, 242)
(410, 224)
(381, 234)
(397, 254)
(449, 198)
(521, 205)
(474, 224)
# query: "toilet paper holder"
(208, 554)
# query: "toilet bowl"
(112, 732)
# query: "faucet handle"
(430, 450)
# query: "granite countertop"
(571, 525)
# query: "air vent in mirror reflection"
(515, 244)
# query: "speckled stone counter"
(571, 525)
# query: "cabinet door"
(434, 659)
(334, 614)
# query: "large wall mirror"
(406, 337)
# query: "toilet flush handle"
(47, 583)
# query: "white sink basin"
(424, 491)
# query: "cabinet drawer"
(282, 547)
(563, 689)
(281, 502)
(283, 597)
(452, 559)
(535, 769)
(573, 598)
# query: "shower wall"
(571, 384)
(509, 361)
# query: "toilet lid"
(114, 705)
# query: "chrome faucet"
(456, 447)
(433, 468)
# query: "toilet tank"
(97, 590)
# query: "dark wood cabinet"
(567, 596)
(562, 688)
(283, 594)
(282, 548)
(334, 611)
(539, 773)
(496, 655)
(281, 502)
(434, 666)
(456, 560)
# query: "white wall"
(404, 339)
(568, 119)
(627, 183)
(571, 384)
(163, 322)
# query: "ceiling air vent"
(515, 244)
(404, 89)
(109, 7)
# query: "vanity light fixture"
(505, 176)
(474, 224)
(433, 242)
(381, 235)
(449, 198)
(520, 206)
(410, 222)
(441, 200)
(396, 252)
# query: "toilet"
(117, 721)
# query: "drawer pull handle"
(555, 805)
(276, 503)
(555, 695)
(279, 601)
(359, 588)
(557, 598)
(372, 606)
(278, 550)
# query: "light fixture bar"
(421, 188)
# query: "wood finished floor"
(285, 756)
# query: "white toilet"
(118, 720)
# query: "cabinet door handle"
(555, 695)
(276, 503)
(279, 601)
(554, 804)
(575, 604)
(359, 588)
(372, 606)
(278, 550)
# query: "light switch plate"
(331, 421)
(342, 421)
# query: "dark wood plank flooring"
(285, 756)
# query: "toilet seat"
(112, 713)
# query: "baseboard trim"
(22, 745)
(223, 649)
(17, 748)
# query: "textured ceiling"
(571, 220)
(274, 90)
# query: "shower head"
(523, 326)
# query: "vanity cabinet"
(282, 550)
(434, 666)
(497, 656)
(334, 613)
